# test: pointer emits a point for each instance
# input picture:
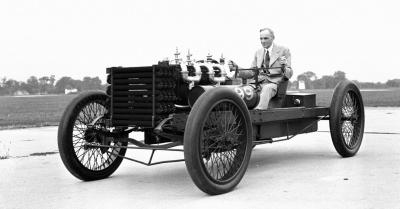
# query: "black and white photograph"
(199, 104)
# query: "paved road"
(305, 172)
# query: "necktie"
(266, 59)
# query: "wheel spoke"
(91, 157)
(350, 113)
(220, 141)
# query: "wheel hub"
(95, 134)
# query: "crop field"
(33, 111)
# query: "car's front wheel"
(218, 141)
(79, 140)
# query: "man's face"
(266, 38)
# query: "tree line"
(311, 81)
(48, 85)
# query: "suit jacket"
(276, 53)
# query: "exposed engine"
(145, 96)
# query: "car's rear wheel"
(347, 119)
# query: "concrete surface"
(305, 172)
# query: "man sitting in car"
(273, 56)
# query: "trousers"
(268, 90)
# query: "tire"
(347, 119)
(218, 141)
(84, 162)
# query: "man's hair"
(269, 30)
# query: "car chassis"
(197, 106)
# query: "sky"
(80, 38)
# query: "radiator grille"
(142, 96)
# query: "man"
(270, 56)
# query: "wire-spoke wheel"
(218, 141)
(80, 138)
(347, 119)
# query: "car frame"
(197, 109)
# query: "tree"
(310, 75)
(339, 76)
(11, 86)
(3, 81)
(52, 80)
(51, 88)
(89, 83)
(393, 83)
(308, 78)
(293, 84)
(64, 83)
(319, 83)
(32, 85)
(44, 83)
(327, 82)
(3, 90)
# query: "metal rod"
(284, 139)
(133, 117)
(119, 122)
(130, 147)
(112, 93)
(287, 130)
(146, 164)
(141, 144)
(154, 97)
(167, 161)
(151, 157)
(128, 158)
(267, 141)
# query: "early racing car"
(200, 109)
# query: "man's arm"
(241, 73)
(254, 63)
(288, 62)
(249, 73)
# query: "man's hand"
(283, 60)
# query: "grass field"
(371, 98)
(18, 112)
(32, 111)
